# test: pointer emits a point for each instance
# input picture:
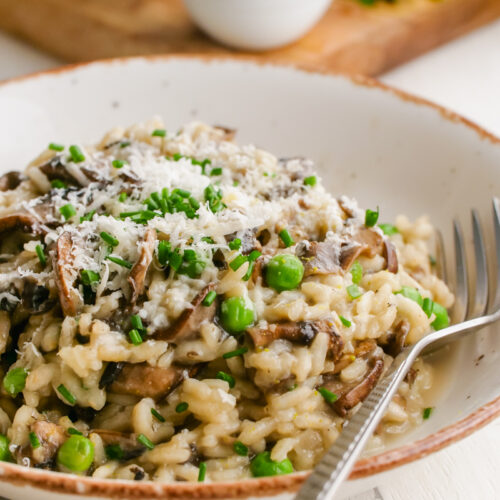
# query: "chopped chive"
(194, 202)
(237, 352)
(356, 272)
(235, 244)
(135, 337)
(240, 449)
(411, 293)
(41, 255)
(329, 396)
(56, 147)
(58, 184)
(432, 260)
(123, 196)
(183, 193)
(388, 229)
(442, 319)
(286, 238)
(114, 452)
(74, 432)
(177, 156)
(159, 132)
(76, 154)
(175, 260)
(310, 181)
(120, 262)
(124, 144)
(157, 415)
(164, 251)
(15, 380)
(216, 171)
(190, 255)
(88, 277)
(67, 211)
(237, 262)
(35, 442)
(141, 438)
(248, 274)
(209, 298)
(427, 306)
(88, 217)
(254, 255)
(202, 472)
(118, 163)
(181, 407)
(371, 217)
(345, 321)
(136, 322)
(66, 394)
(427, 413)
(110, 240)
(354, 291)
(208, 239)
(236, 183)
(225, 376)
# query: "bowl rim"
(18, 475)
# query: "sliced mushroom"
(55, 170)
(128, 443)
(138, 273)
(229, 133)
(249, 242)
(328, 257)
(359, 392)
(110, 373)
(302, 332)
(35, 298)
(397, 338)
(391, 256)
(371, 241)
(69, 297)
(11, 180)
(23, 221)
(149, 381)
(51, 437)
(190, 320)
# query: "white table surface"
(464, 76)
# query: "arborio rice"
(175, 307)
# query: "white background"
(464, 76)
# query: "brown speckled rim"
(111, 488)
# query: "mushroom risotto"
(175, 307)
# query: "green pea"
(76, 453)
(284, 272)
(5, 455)
(262, 465)
(412, 293)
(442, 319)
(15, 380)
(237, 314)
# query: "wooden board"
(350, 38)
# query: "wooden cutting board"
(351, 37)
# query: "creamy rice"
(189, 309)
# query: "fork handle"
(336, 464)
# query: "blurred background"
(445, 50)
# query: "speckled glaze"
(375, 143)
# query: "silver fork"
(469, 314)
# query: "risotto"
(175, 307)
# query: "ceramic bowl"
(384, 147)
(256, 24)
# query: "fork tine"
(440, 257)
(496, 226)
(481, 293)
(462, 284)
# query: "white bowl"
(381, 146)
(256, 24)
